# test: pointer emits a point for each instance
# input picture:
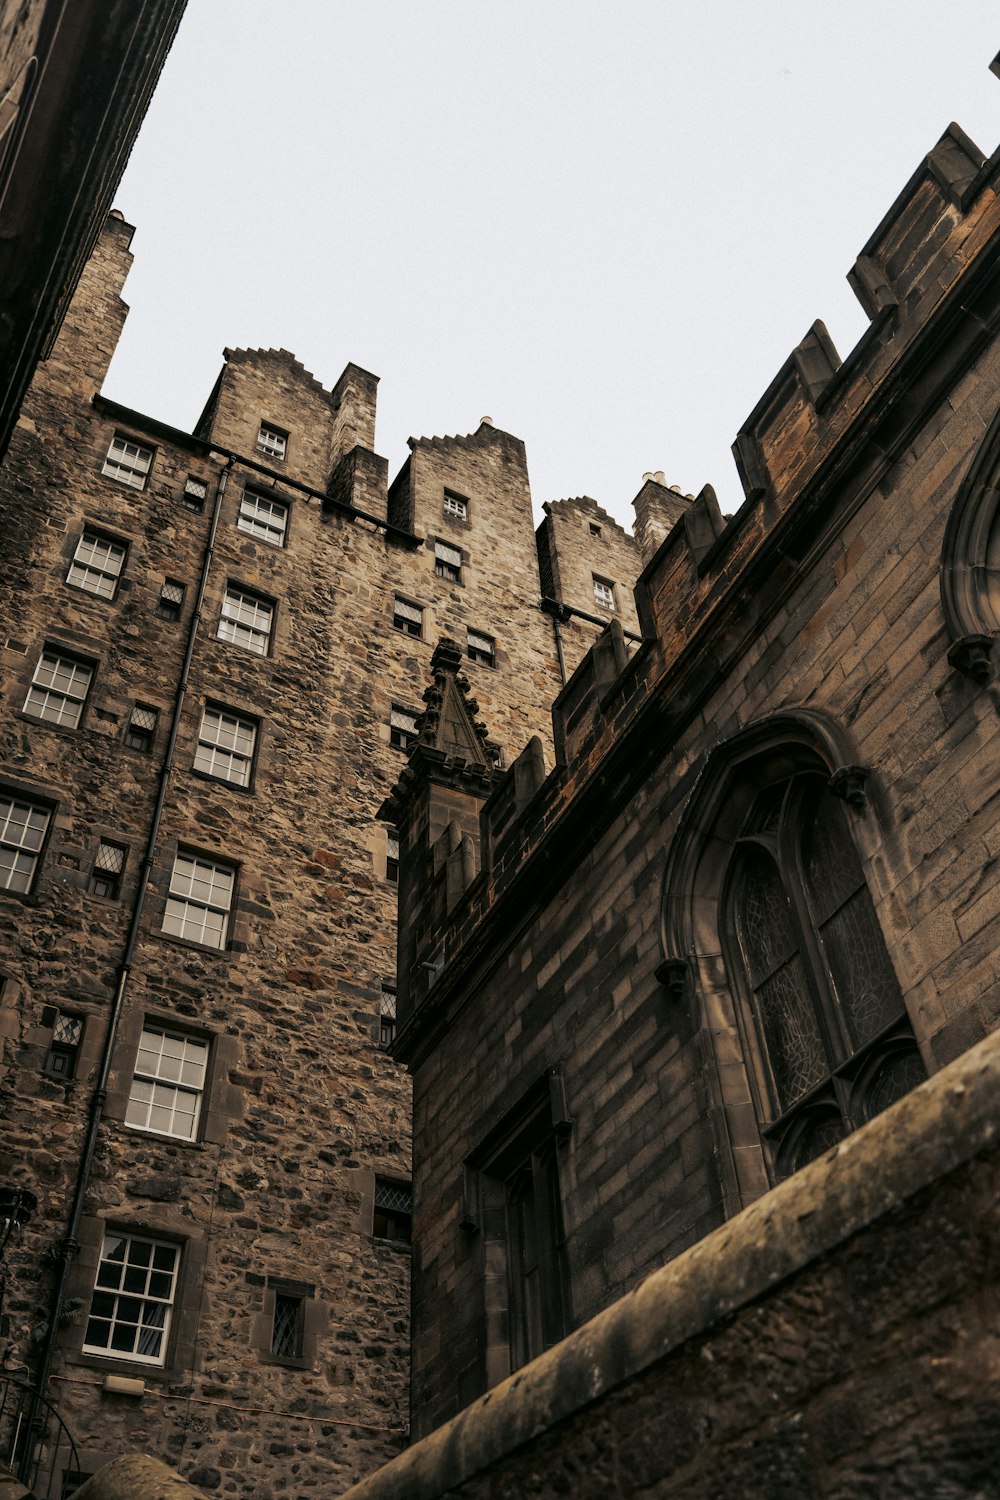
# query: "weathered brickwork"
(245, 584)
(805, 638)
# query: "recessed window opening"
(59, 689)
(109, 866)
(133, 1299)
(200, 900)
(407, 617)
(456, 506)
(448, 562)
(97, 565)
(226, 743)
(387, 1015)
(64, 1046)
(23, 826)
(393, 1218)
(262, 517)
(604, 593)
(286, 1332)
(392, 855)
(128, 462)
(402, 728)
(195, 493)
(246, 620)
(481, 648)
(141, 729)
(171, 600)
(272, 441)
(168, 1084)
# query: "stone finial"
(449, 723)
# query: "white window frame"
(263, 517)
(227, 743)
(200, 901)
(23, 828)
(247, 620)
(604, 594)
(59, 689)
(272, 441)
(97, 564)
(456, 506)
(128, 462)
(402, 722)
(168, 1083)
(138, 1277)
(448, 562)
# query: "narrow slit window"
(392, 855)
(387, 1015)
(286, 1331)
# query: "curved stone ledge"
(934, 1131)
(136, 1476)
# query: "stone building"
(215, 647)
(700, 1010)
(75, 81)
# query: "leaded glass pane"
(818, 1133)
(791, 1033)
(899, 1072)
(764, 917)
(862, 975)
(832, 867)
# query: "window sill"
(229, 952)
(275, 1360)
(232, 786)
(61, 729)
(89, 593)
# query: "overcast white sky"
(604, 224)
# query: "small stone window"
(481, 648)
(448, 562)
(128, 462)
(246, 620)
(387, 1015)
(392, 855)
(263, 517)
(393, 1216)
(604, 593)
(595, 530)
(286, 1330)
(456, 506)
(64, 1046)
(272, 441)
(141, 729)
(407, 617)
(171, 600)
(59, 689)
(109, 867)
(97, 564)
(194, 493)
(402, 728)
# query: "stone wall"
(303, 1109)
(835, 1339)
(591, 947)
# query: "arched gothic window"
(821, 1011)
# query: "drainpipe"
(70, 1245)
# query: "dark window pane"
(763, 915)
(863, 977)
(791, 1033)
(902, 1070)
(832, 867)
(817, 1134)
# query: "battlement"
(816, 445)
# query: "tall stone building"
(702, 1010)
(215, 651)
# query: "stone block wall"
(303, 1110)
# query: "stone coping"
(935, 1129)
(136, 1476)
